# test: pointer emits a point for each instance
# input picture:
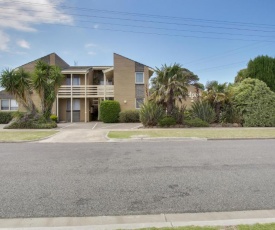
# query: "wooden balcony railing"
(91, 91)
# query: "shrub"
(109, 111)
(167, 121)
(196, 122)
(6, 117)
(151, 113)
(53, 118)
(129, 116)
(255, 103)
(178, 114)
(204, 111)
(28, 121)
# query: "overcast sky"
(212, 38)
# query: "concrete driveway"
(86, 132)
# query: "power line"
(151, 27)
(152, 15)
(158, 22)
(221, 66)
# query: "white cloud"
(96, 26)
(91, 53)
(23, 44)
(90, 45)
(4, 40)
(24, 15)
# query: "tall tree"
(241, 75)
(46, 81)
(170, 85)
(262, 68)
(18, 83)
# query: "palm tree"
(18, 83)
(46, 81)
(170, 85)
(217, 95)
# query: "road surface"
(91, 179)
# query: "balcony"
(89, 91)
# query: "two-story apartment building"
(85, 86)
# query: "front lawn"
(240, 227)
(17, 136)
(197, 132)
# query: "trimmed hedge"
(109, 111)
(167, 121)
(128, 116)
(196, 122)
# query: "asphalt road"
(90, 179)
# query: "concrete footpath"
(142, 221)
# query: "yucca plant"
(204, 111)
(151, 113)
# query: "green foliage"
(241, 75)
(217, 95)
(262, 68)
(167, 121)
(178, 114)
(18, 83)
(109, 111)
(6, 117)
(129, 116)
(30, 121)
(46, 80)
(53, 118)
(196, 122)
(171, 84)
(204, 111)
(229, 115)
(151, 113)
(255, 103)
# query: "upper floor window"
(76, 80)
(139, 78)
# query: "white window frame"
(137, 103)
(142, 77)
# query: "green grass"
(240, 227)
(7, 136)
(198, 132)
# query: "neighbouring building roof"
(5, 95)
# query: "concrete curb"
(142, 221)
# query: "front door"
(75, 110)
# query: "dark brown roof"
(5, 95)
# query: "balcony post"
(71, 97)
(85, 97)
(57, 109)
(104, 86)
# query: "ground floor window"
(14, 105)
(9, 104)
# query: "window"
(14, 105)
(5, 105)
(76, 104)
(76, 80)
(139, 78)
(139, 102)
